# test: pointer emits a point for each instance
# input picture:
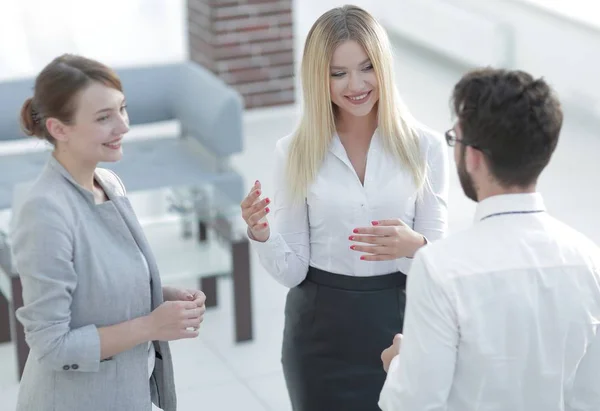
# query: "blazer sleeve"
(42, 244)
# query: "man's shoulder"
(450, 254)
(452, 244)
(572, 240)
(482, 246)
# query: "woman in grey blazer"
(96, 317)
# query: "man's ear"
(474, 159)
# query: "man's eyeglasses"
(452, 139)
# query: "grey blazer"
(81, 268)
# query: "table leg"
(202, 235)
(4, 319)
(18, 336)
(242, 290)
(208, 285)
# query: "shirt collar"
(337, 148)
(510, 203)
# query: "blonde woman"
(359, 189)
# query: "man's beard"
(466, 181)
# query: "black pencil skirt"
(336, 327)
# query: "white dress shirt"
(317, 232)
(501, 317)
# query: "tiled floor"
(213, 373)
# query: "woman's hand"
(184, 294)
(174, 320)
(254, 212)
(387, 239)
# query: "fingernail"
(351, 238)
(256, 182)
(268, 201)
(352, 247)
(265, 224)
(362, 257)
(355, 231)
(375, 222)
(267, 209)
(257, 192)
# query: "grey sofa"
(210, 117)
(210, 113)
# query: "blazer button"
(66, 367)
(75, 366)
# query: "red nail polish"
(362, 257)
(265, 224)
(267, 209)
(375, 222)
(351, 238)
(257, 192)
(355, 231)
(352, 247)
(268, 201)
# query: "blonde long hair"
(316, 129)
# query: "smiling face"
(100, 121)
(353, 84)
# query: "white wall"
(580, 11)
(564, 52)
(450, 30)
(560, 49)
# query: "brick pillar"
(248, 44)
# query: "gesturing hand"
(387, 239)
(254, 212)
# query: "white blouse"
(317, 232)
(151, 353)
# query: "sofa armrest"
(208, 110)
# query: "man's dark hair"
(511, 117)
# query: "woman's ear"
(57, 129)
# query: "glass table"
(206, 240)
(195, 232)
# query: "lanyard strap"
(512, 212)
